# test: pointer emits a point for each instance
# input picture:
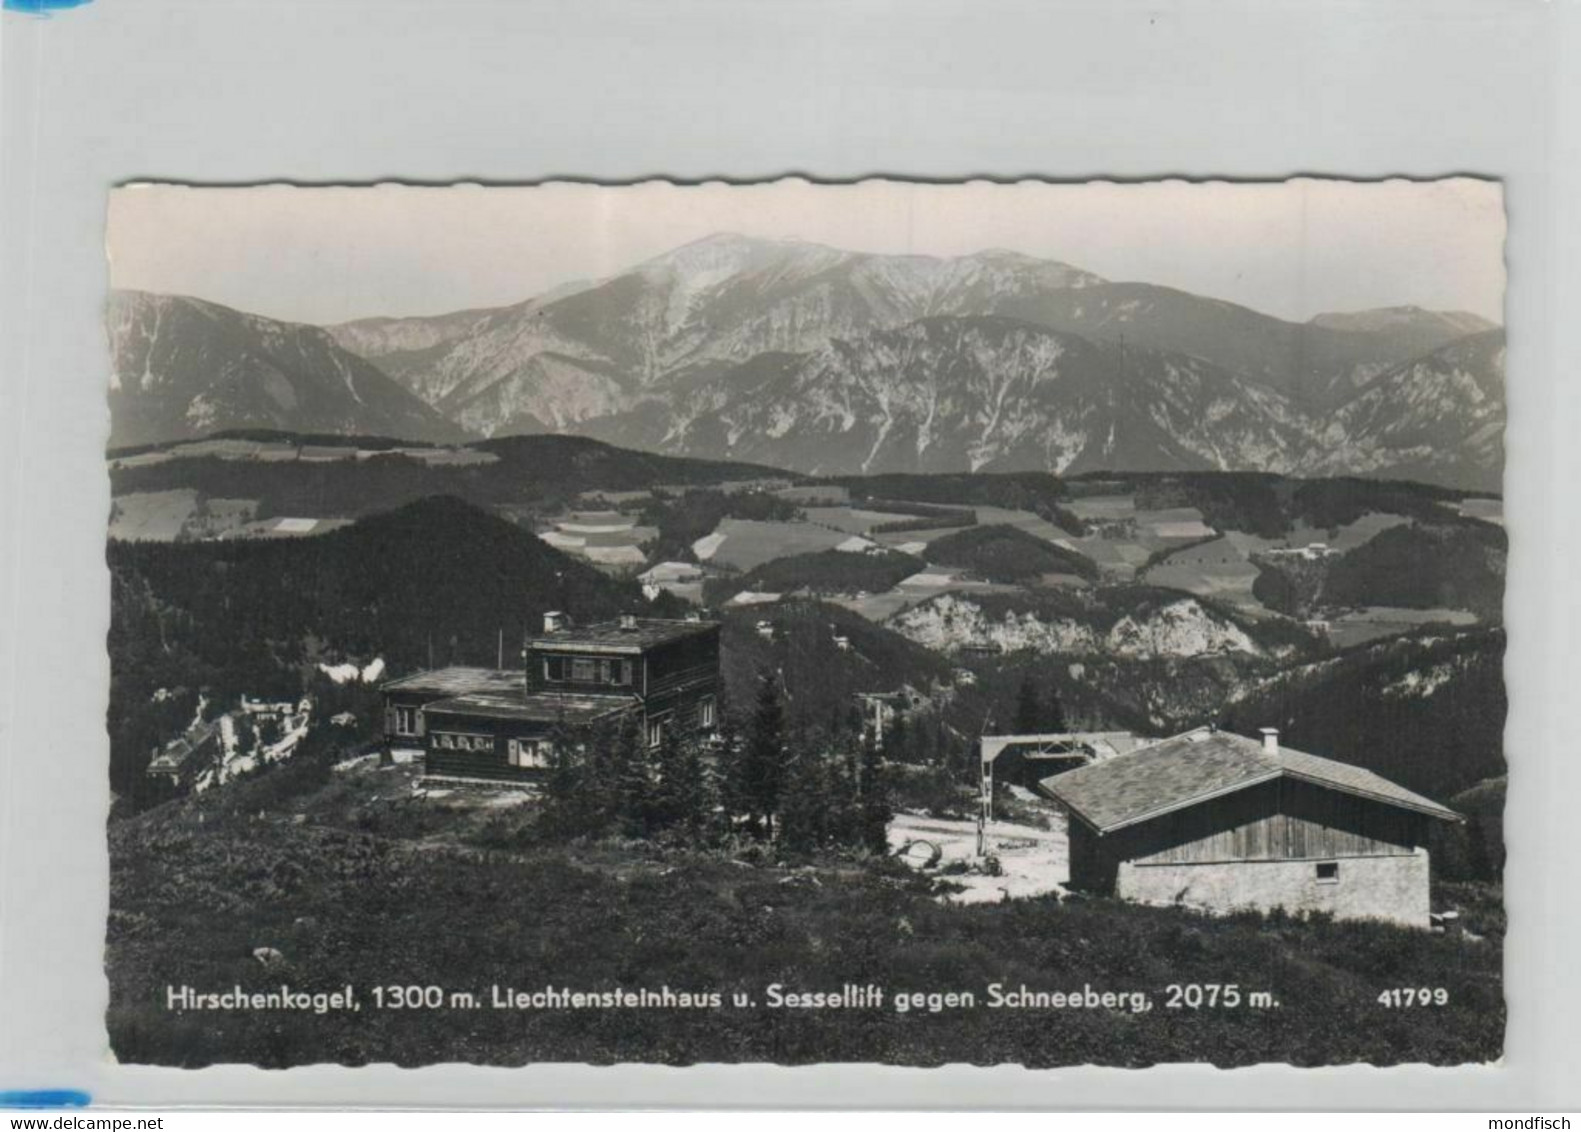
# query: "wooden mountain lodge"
(179, 762)
(1219, 821)
(500, 725)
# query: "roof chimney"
(553, 622)
(1270, 740)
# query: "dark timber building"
(499, 725)
(1221, 821)
(181, 761)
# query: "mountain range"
(831, 361)
(184, 368)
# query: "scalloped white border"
(117, 92)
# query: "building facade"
(179, 762)
(1223, 822)
(502, 725)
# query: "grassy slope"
(370, 888)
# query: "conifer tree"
(567, 809)
(897, 741)
(1479, 862)
(702, 814)
(680, 801)
(664, 809)
(600, 778)
(875, 809)
(1053, 713)
(1038, 714)
(1029, 708)
(803, 808)
(728, 775)
(841, 802)
(763, 757)
(632, 778)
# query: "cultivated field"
(746, 543)
(152, 515)
(279, 451)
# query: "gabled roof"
(177, 752)
(1193, 767)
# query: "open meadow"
(319, 878)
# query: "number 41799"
(1414, 996)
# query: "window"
(656, 726)
(406, 721)
(705, 713)
(528, 753)
(617, 672)
(588, 670)
(1328, 872)
(452, 742)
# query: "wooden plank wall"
(1282, 820)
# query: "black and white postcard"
(992, 623)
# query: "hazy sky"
(1292, 249)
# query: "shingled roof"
(1193, 767)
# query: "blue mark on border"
(43, 1098)
(42, 7)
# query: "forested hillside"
(1425, 712)
(819, 676)
(537, 471)
(823, 572)
(1008, 555)
(1412, 566)
(437, 579)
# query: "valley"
(1152, 602)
